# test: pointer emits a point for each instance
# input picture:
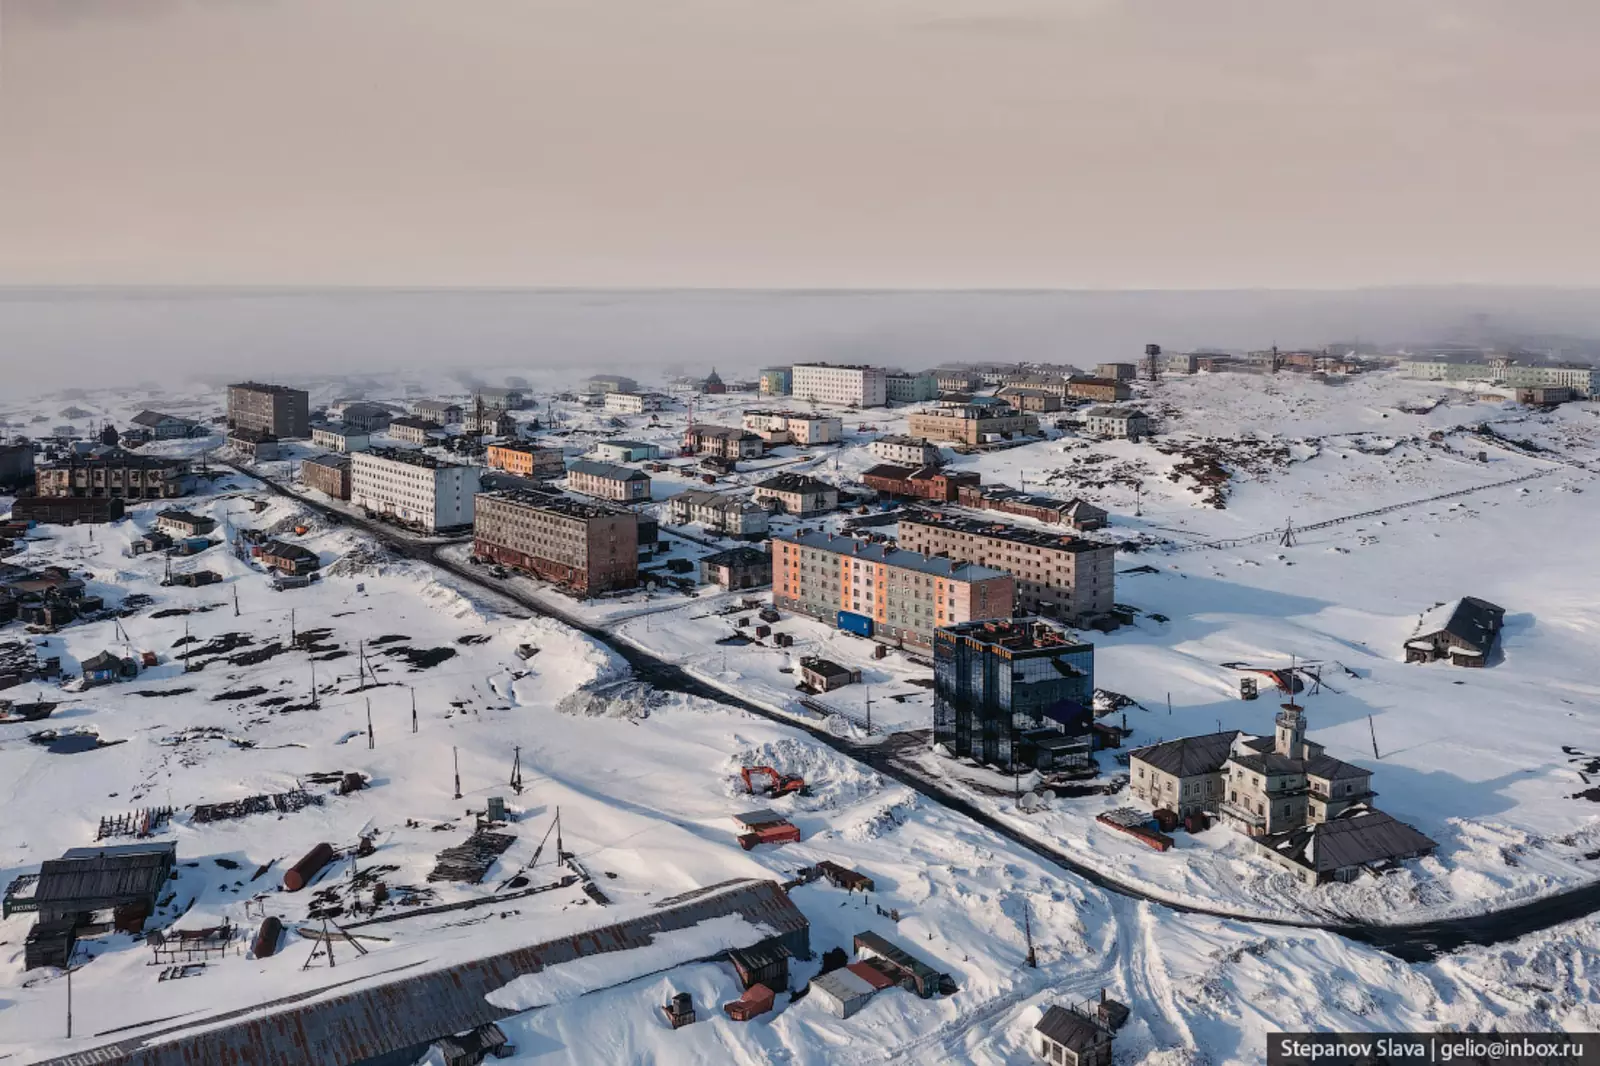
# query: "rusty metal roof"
(415, 1010)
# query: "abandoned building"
(737, 568)
(125, 879)
(1463, 631)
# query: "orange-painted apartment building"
(883, 592)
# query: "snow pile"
(569, 980)
(832, 781)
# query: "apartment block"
(115, 474)
(906, 451)
(722, 442)
(276, 409)
(1102, 390)
(527, 460)
(1056, 576)
(338, 437)
(413, 487)
(910, 388)
(608, 481)
(971, 423)
(588, 548)
(776, 381)
(439, 412)
(603, 383)
(878, 591)
(785, 427)
(732, 516)
(797, 494)
(846, 386)
(631, 403)
(1122, 423)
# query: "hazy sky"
(840, 143)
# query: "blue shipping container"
(859, 624)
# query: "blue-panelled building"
(1014, 694)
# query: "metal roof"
(1189, 756)
(1475, 621)
(609, 471)
(1358, 837)
(1071, 1030)
(409, 1012)
(102, 876)
(937, 565)
(992, 530)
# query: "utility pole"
(869, 710)
(1027, 927)
(236, 601)
(372, 740)
(1138, 500)
(186, 644)
(361, 665)
(69, 998)
(516, 769)
(456, 755)
(1287, 540)
(315, 700)
(413, 710)
(291, 627)
(1373, 730)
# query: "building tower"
(1291, 740)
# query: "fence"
(1275, 534)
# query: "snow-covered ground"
(646, 787)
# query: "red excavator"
(778, 785)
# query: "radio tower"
(1152, 362)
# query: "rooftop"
(412, 422)
(1009, 533)
(330, 460)
(741, 556)
(609, 471)
(1475, 621)
(1071, 1030)
(410, 458)
(560, 505)
(338, 429)
(1114, 412)
(704, 430)
(787, 482)
(1017, 636)
(1189, 756)
(936, 565)
(256, 386)
(901, 438)
(1357, 837)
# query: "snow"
(1488, 762)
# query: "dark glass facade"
(996, 681)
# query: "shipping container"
(858, 624)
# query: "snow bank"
(568, 981)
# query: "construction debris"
(469, 861)
(282, 802)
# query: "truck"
(859, 624)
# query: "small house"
(824, 675)
(1068, 1038)
(103, 669)
(844, 877)
(254, 444)
(1358, 839)
(797, 494)
(1464, 631)
(86, 880)
(289, 558)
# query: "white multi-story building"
(906, 451)
(414, 487)
(858, 386)
(778, 427)
(340, 438)
(631, 403)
